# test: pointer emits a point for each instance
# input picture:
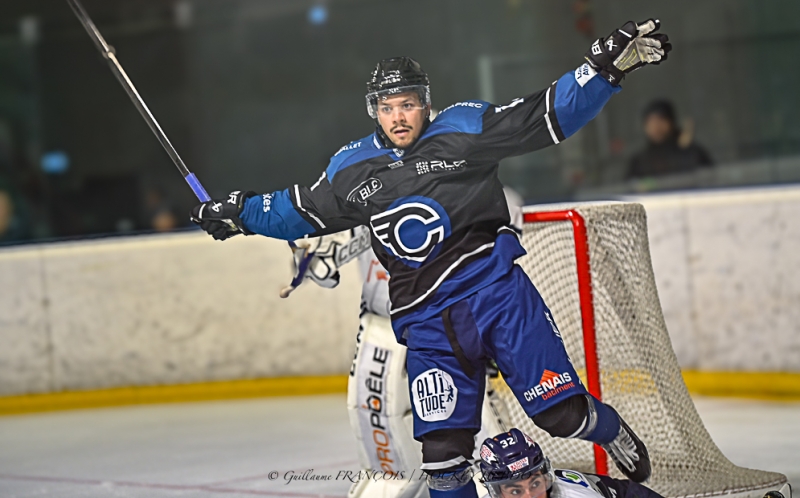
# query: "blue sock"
(607, 424)
(467, 491)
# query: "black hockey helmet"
(393, 76)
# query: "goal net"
(591, 263)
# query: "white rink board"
(727, 268)
(163, 310)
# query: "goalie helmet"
(394, 76)
(513, 465)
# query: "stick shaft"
(302, 268)
(108, 53)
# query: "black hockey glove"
(220, 218)
(627, 49)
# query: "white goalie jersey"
(572, 484)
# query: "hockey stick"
(301, 269)
(109, 54)
(344, 254)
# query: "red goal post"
(586, 304)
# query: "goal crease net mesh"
(639, 372)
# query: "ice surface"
(230, 449)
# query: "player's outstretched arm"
(271, 214)
(553, 114)
(287, 214)
(580, 96)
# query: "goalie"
(377, 392)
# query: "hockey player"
(430, 194)
(377, 392)
(514, 466)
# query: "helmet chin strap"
(382, 136)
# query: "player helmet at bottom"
(513, 465)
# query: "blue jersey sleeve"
(542, 118)
(579, 97)
(274, 215)
(299, 211)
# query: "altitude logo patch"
(435, 395)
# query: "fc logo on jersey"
(412, 227)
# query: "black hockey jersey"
(436, 210)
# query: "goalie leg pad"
(378, 401)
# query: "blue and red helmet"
(514, 460)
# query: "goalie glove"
(322, 269)
(319, 258)
(627, 49)
(220, 218)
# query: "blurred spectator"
(669, 149)
(160, 216)
(6, 213)
(12, 226)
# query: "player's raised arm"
(555, 113)
(285, 214)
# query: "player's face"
(532, 487)
(401, 117)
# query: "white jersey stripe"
(300, 206)
(547, 116)
(324, 174)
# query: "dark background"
(254, 95)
